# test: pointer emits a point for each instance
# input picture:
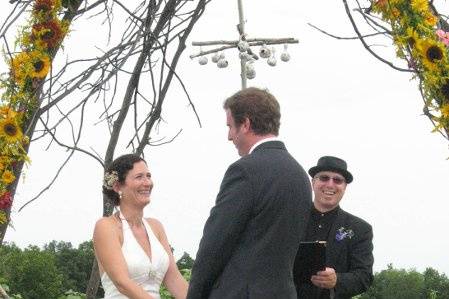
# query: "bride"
(133, 253)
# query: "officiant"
(349, 247)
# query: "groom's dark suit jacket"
(352, 258)
(252, 235)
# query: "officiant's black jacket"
(352, 258)
(252, 235)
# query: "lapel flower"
(343, 233)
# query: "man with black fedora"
(349, 247)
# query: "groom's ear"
(246, 125)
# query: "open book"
(313, 259)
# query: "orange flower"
(8, 177)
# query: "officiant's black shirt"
(317, 230)
(320, 224)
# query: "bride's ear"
(116, 187)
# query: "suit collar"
(276, 143)
(268, 139)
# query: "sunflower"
(41, 64)
(8, 177)
(432, 53)
(10, 130)
(50, 33)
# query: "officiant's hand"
(326, 279)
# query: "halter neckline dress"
(147, 273)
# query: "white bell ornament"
(203, 60)
(272, 60)
(216, 57)
(222, 63)
(264, 52)
(250, 71)
(285, 56)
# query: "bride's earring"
(120, 195)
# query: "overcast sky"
(335, 99)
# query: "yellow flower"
(7, 112)
(34, 64)
(5, 160)
(10, 130)
(3, 218)
(432, 53)
(412, 37)
(8, 177)
(430, 20)
(2, 166)
(20, 67)
(420, 5)
(41, 64)
(445, 110)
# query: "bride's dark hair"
(117, 171)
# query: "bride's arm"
(109, 255)
(173, 280)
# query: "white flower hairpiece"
(109, 179)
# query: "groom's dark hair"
(259, 106)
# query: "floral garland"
(426, 48)
(28, 67)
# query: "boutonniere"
(343, 233)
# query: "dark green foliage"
(74, 264)
(408, 284)
(185, 262)
(31, 273)
(61, 271)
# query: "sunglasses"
(325, 178)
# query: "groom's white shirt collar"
(262, 141)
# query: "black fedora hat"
(334, 164)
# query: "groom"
(252, 234)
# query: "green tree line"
(61, 271)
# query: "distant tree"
(408, 284)
(185, 262)
(73, 263)
(32, 273)
(435, 284)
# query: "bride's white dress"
(145, 272)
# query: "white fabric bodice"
(145, 272)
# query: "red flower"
(49, 32)
(5, 200)
(43, 6)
